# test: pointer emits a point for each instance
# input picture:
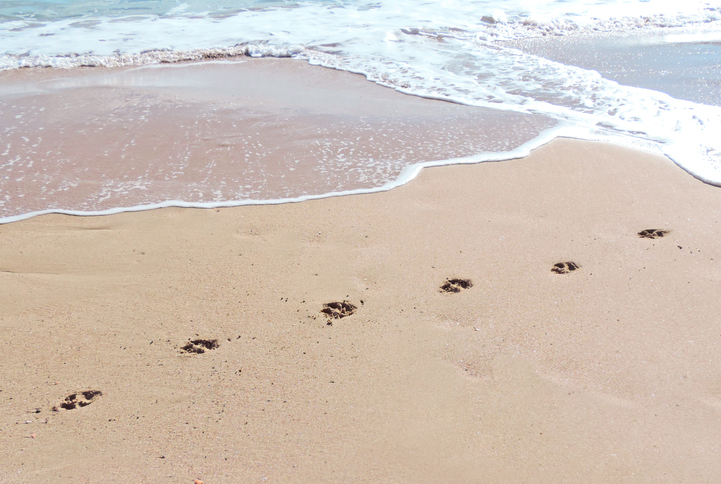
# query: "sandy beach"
(605, 373)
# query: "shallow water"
(685, 65)
(226, 133)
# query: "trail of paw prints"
(456, 285)
(564, 267)
(653, 233)
(338, 310)
(78, 400)
(199, 346)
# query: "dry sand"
(609, 373)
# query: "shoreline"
(135, 138)
(606, 373)
(407, 175)
(205, 133)
(218, 134)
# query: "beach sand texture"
(605, 373)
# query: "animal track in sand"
(76, 400)
(653, 233)
(456, 285)
(337, 310)
(198, 346)
(564, 267)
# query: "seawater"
(467, 52)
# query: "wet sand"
(606, 373)
(92, 140)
